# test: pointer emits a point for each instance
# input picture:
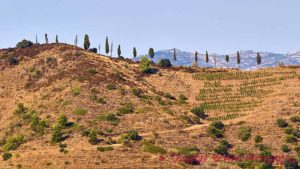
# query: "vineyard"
(228, 95)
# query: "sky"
(219, 26)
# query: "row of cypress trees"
(151, 53)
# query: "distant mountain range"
(248, 59)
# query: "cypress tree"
(196, 57)
(258, 59)
(76, 40)
(227, 59)
(86, 43)
(119, 51)
(36, 39)
(111, 49)
(206, 58)
(174, 56)
(134, 53)
(46, 38)
(99, 47)
(151, 53)
(56, 39)
(238, 58)
(106, 46)
(215, 60)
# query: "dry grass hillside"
(64, 107)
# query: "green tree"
(145, 64)
(57, 134)
(106, 46)
(196, 57)
(227, 59)
(111, 49)
(151, 53)
(56, 39)
(258, 59)
(119, 51)
(207, 58)
(36, 39)
(174, 56)
(46, 38)
(134, 53)
(86, 43)
(76, 40)
(238, 58)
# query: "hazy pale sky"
(221, 26)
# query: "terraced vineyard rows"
(228, 99)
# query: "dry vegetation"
(65, 107)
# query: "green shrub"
(199, 112)
(93, 137)
(169, 96)
(145, 65)
(295, 119)
(258, 139)
(137, 92)
(93, 50)
(103, 149)
(6, 156)
(57, 134)
(289, 130)
(244, 133)
(216, 129)
(164, 63)
(150, 147)
(12, 60)
(182, 98)
(13, 142)
(222, 148)
(24, 44)
(281, 123)
(187, 151)
(76, 91)
(37, 124)
(285, 148)
(111, 87)
(92, 71)
(290, 139)
(62, 147)
(62, 121)
(130, 135)
(126, 109)
(218, 125)
(80, 111)
(109, 117)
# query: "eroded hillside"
(64, 107)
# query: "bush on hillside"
(145, 65)
(285, 148)
(93, 50)
(24, 44)
(199, 112)
(216, 129)
(295, 119)
(258, 139)
(164, 63)
(6, 156)
(281, 123)
(244, 133)
(13, 142)
(12, 60)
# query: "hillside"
(248, 59)
(64, 107)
